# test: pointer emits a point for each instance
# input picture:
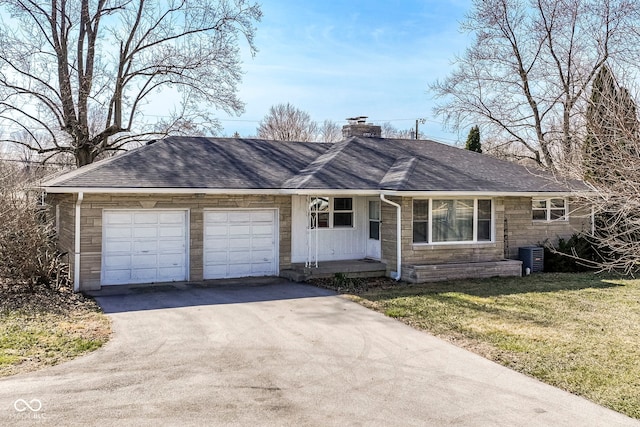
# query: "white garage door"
(240, 243)
(143, 246)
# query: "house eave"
(161, 190)
(432, 194)
(305, 192)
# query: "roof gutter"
(76, 252)
(305, 192)
(398, 272)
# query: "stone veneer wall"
(66, 225)
(91, 224)
(521, 230)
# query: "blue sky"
(337, 59)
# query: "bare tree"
(526, 75)
(390, 131)
(284, 122)
(64, 62)
(329, 131)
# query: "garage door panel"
(144, 260)
(239, 230)
(261, 269)
(119, 218)
(171, 231)
(170, 271)
(171, 218)
(238, 257)
(117, 277)
(240, 243)
(143, 275)
(118, 262)
(239, 270)
(116, 246)
(170, 260)
(145, 218)
(216, 257)
(216, 217)
(217, 230)
(145, 232)
(262, 256)
(264, 216)
(240, 216)
(262, 242)
(118, 232)
(262, 229)
(171, 246)
(144, 246)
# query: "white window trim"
(331, 211)
(475, 240)
(548, 209)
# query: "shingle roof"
(194, 162)
(354, 164)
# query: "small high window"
(552, 209)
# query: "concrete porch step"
(327, 269)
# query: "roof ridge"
(398, 174)
(302, 177)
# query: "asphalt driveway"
(280, 354)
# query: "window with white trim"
(550, 209)
(331, 212)
(452, 220)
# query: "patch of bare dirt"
(355, 286)
(20, 297)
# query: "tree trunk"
(84, 155)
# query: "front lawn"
(579, 332)
(46, 327)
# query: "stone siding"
(453, 271)
(91, 225)
(513, 228)
(65, 224)
(522, 230)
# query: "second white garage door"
(240, 243)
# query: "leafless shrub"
(28, 255)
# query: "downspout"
(398, 272)
(76, 252)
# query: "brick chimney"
(358, 126)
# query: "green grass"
(31, 339)
(579, 332)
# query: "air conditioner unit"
(532, 258)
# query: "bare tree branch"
(526, 75)
(62, 66)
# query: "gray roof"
(354, 164)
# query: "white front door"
(240, 243)
(373, 229)
(144, 246)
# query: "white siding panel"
(333, 244)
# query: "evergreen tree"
(473, 140)
(612, 127)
